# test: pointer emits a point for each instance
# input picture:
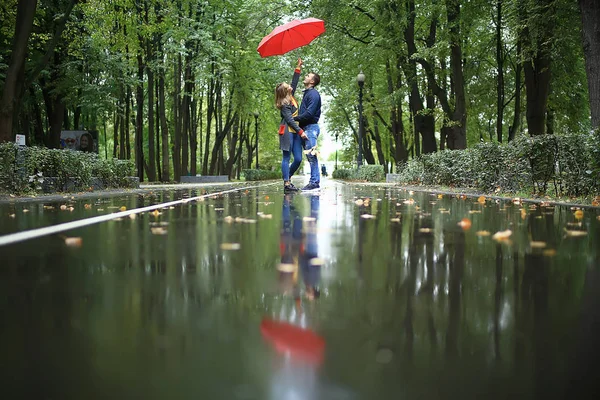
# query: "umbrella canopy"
(290, 36)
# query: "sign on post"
(20, 140)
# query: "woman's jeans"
(288, 170)
(312, 131)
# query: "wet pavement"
(351, 292)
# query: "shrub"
(568, 163)
(25, 169)
(370, 173)
(342, 174)
(366, 173)
(260, 174)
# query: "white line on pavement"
(51, 230)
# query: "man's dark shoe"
(311, 186)
(290, 188)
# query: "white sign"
(20, 140)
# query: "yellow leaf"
(502, 235)
(578, 215)
(483, 233)
(158, 230)
(230, 246)
(481, 199)
(549, 252)
(123, 208)
(465, 223)
(575, 233)
(73, 241)
(538, 245)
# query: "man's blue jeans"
(287, 170)
(312, 131)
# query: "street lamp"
(360, 79)
(256, 135)
(336, 149)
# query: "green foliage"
(370, 173)
(345, 174)
(28, 170)
(260, 174)
(567, 164)
(366, 173)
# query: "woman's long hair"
(283, 95)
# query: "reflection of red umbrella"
(301, 343)
(290, 36)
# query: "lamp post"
(256, 135)
(336, 149)
(360, 79)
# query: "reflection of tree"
(535, 300)
(498, 301)
(584, 368)
(456, 260)
(43, 307)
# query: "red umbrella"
(301, 343)
(290, 36)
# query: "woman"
(290, 134)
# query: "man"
(308, 118)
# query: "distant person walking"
(291, 135)
(308, 118)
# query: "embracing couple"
(299, 128)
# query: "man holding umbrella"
(308, 119)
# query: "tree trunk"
(209, 114)
(116, 132)
(424, 122)
(537, 65)
(186, 111)
(400, 154)
(126, 124)
(500, 66)
(151, 88)
(16, 66)
(177, 118)
(196, 120)
(139, 118)
(151, 141)
(590, 17)
(163, 124)
(459, 116)
(537, 86)
(512, 129)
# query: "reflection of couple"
(299, 252)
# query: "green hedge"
(29, 169)
(565, 165)
(366, 173)
(260, 174)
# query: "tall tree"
(537, 36)
(590, 17)
(16, 68)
